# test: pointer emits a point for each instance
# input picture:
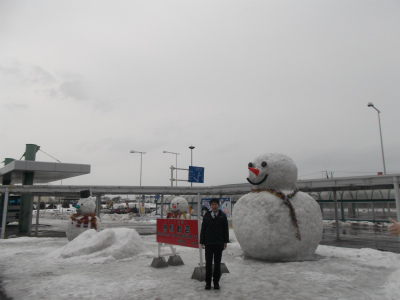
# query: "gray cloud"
(26, 74)
(39, 76)
(73, 89)
(11, 71)
(61, 86)
(15, 106)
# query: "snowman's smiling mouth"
(257, 183)
(174, 209)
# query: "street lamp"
(133, 151)
(176, 166)
(191, 159)
(370, 104)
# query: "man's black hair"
(216, 200)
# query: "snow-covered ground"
(358, 224)
(115, 264)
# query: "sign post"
(199, 272)
(199, 225)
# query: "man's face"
(214, 207)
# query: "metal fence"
(374, 211)
(358, 205)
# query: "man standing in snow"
(214, 237)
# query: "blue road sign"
(196, 174)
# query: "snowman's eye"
(250, 165)
(263, 164)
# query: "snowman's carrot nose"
(255, 171)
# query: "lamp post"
(370, 104)
(191, 159)
(141, 153)
(176, 166)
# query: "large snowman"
(275, 221)
(84, 219)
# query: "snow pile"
(108, 244)
(128, 218)
(366, 256)
(363, 260)
(365, 224)
(392, 285)
(114, 217)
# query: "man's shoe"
(216, 286)
(208, 286)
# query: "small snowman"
(84, 219)
(275, 221)
(179, 209)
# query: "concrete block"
(199, 273)
(175, 260)
(159, 262)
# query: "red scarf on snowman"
(85, 220)
(286, 199)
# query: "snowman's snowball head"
(272, 171)
(87, 205)
(179, 204)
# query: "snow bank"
(365, 224)
(129, 218)
(101, 247)
(28, 271)
(392, 286)
(366, 258)
(338, 273)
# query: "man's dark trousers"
(216, 252)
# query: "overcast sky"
(88, 81)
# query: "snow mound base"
(110, 244)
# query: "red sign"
(178, 232)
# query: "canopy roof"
(44, 172)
